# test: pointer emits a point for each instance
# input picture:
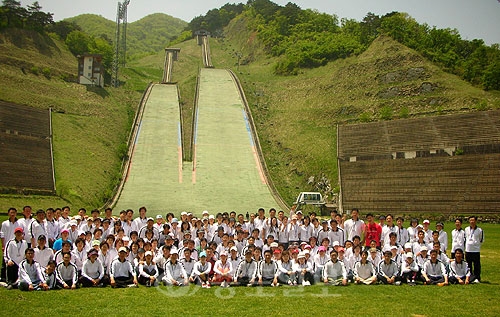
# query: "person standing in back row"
(474, 238)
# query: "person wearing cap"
(267, 270)
(434, 272)
(388, 271)
(13, 255)
(175, 274)
(222, 270)
(67, 272)
(43, 254)
(354, 226)
(159, 223)
(428, 232)
(122, 274)
(303, 270)
(30, 273)
(457, 237)
(409, 269)
(320, 260)
(459, 270)
(364, 271)
(246, 272)
(421, 258)
(148, 271)
(293, 230)
(149, 226)
(92, 270)
(324, 232)
(201, 271)
(234, 259)
(334, 272)
(374, 256)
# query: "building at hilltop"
(90, 70)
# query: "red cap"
(18, 229)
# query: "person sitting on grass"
(201, 270)
(148, 271)
(286, 274)
(434, 272)
(364, 271)
(268, 270)
(304, 271)
(334, 272)
(121, 272)
(222, 270)
(175, 274)
(388, 270)
(409, 269)
(50, 276)
(30, 273)
(247, 270)
(67, 272)
(459, 270)
(92, 270)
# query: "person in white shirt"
(434, 272)
(30, 273)
(443, 236)
(459, 270)
(364, 271)
(246, 272)
(92, 270)
(409, 269)
(7, 234)
(474, 238)
(402, 233)
(201, 270)
(354, 226)
(334, 272)
(457, 237)
(304, 270)
(121, 273)
(43, 254)
(267, 272)
(25, 223)
(13, 255)
(286, 273)
(67, 272)
(148, 271)
(175, 274)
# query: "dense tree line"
(13, 15)
(308, 38)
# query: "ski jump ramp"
(225, 174)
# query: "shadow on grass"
(98, 91)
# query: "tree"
(63, 28)
(36, 19)
(13, 14)
(78, 42)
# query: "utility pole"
(120, 41)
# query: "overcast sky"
(472, 18)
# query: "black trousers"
(12, 273)
(474, 262)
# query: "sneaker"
(397, 283)
(249, 285)
(3, 284)
(290, 282)
(476, 281)
(303, 283)
(131, 286)
(294, 283)
(440, 284)
(223, 284)
(9, 287)
(203, 285)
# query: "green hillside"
(90, 125)
(296, 116)
(149, 34)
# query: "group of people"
(54, 250)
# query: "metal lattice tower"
(120, 41)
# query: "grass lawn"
(314, 300)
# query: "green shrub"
(35, 70)
(46, 72)
(365, 117)
(386, 113)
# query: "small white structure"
(310, 198)
(90, 70)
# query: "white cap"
(183, 213)
(211, 217)
(159, 217)
(148, 253)
(205, 212)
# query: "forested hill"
(149, 34)
(307, 39)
